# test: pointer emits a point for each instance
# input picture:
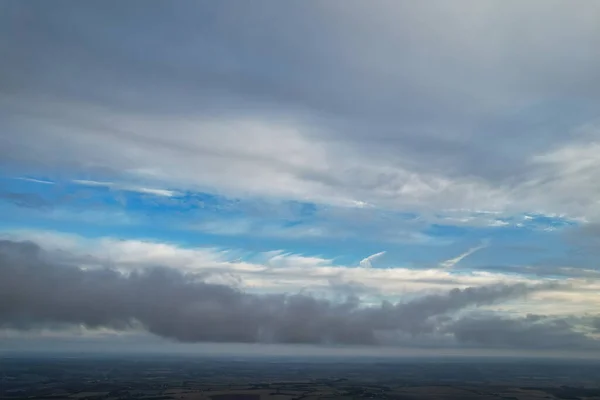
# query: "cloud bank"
(37, 291)
(423, 108)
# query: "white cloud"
(366, 262)
(43, 182)
(568, 176)
(282, 160)
(129, 188)
(453, 261)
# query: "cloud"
(43, 182)
(453, 261)
(366, 262)
(548, 270)
(287, 272)
(530, 332)
(36, 291)
(428, 124)
(420, 109)
(596, 324)
(117, 186)
(272, 270)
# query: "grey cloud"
(530, 332)
(35, 291)
(416, 316)
(350, 288)
(466, 90)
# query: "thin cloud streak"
(118, 186)
(454, 261)
(366, 262)
(36, 181)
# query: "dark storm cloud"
(36, 291)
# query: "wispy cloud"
(366, 262)
(44, 182)
(125, 187)
(454, 261)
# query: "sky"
(382, 174)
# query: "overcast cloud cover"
(382, 172)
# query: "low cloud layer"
(531, 331)
(36, 291)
